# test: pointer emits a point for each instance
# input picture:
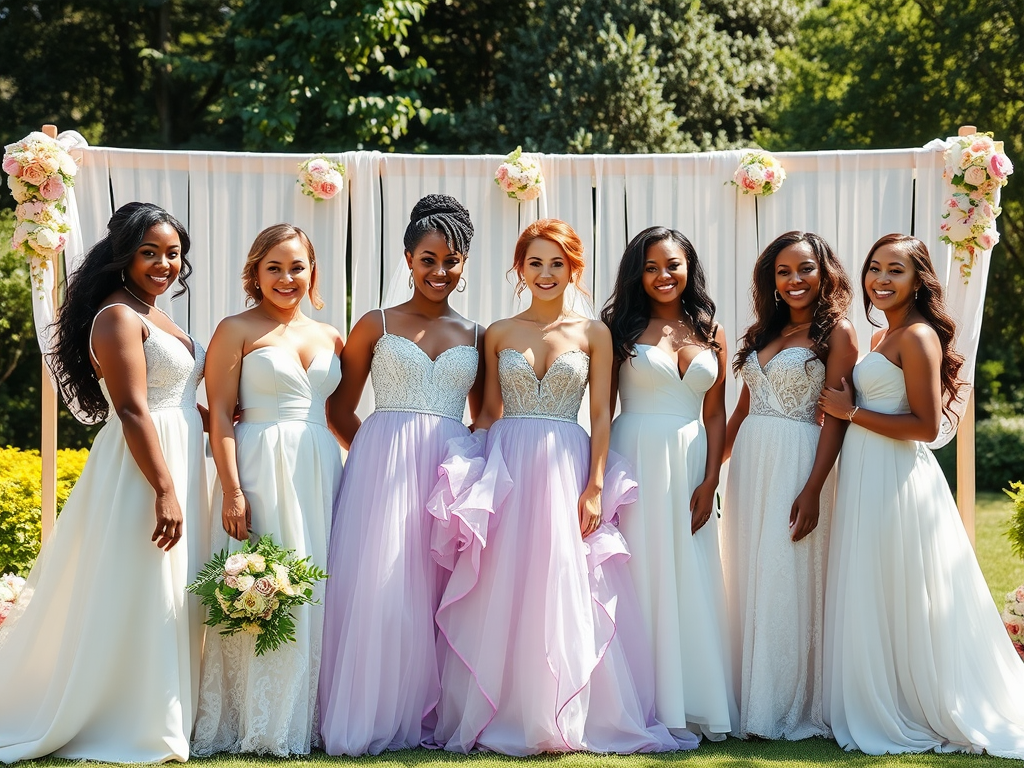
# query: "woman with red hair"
(540, 650)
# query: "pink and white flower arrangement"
(975, 168)
(1013, 618)
(254, 590)
(39, 173)
(320, 177)
(520, 177)
(10, 588)
(759, 173)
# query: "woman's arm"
(600, 340)
(355, 368)
(476, 394)
(732, 428)
(117, 340)
(920, 356)
(492, 405)
(842, 356)
(703, 500)
(223, 372)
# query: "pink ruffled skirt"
(542, 642)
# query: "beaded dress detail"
(406, 379)
(555, 396)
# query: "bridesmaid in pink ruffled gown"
(541, 622)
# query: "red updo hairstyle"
(559, 233)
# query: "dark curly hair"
(930, 301)
(440, 213)
(628, 311)
(99, 276)
(835, 295)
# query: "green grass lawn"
(1002, 571)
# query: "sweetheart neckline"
(297, 361)
(764, 368)
(682, 376)
(433, 360)
(540, 379)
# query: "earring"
(915, 294)
(123, 278)
(778, 296)
(410, 278)
(462, 285)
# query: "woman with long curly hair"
(781, 486)
(669, 371)
(916, 658)
(101, 654)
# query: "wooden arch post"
(48, 441)
(965, 457)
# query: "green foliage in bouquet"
(254, 589)
(1015, 533)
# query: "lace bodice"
(406, 379)
(172, 374)
(650, 382)
(880, 385)
(274, 386)
(556, 396)
(788, 386)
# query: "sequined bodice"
(172, 374)
(650, 382)
(788, 386)
(556, 396)
(274, 387)
(880, 385)
(406, 379)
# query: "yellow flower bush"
(20, 502)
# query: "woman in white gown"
(280, 473)
(917, 658)
(669, 370)
(100, 656)
(780, 489)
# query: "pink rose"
(33, 174)
(999, 166)
(264, 586)
(235, 564)
(52, 189)
(769, 175)
(5, 608)
(1013, 628)
(502, 173)
(975, 176)
(326, 189)
(231, 581)
(987, 240)
(1019, 594)
(1019, 648)
(12, 166)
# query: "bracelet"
(851, 414)
(235, 492)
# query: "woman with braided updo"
(379, 681)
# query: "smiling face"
(665, 272)
(798, 276)
(890, 281)
(284, 274)
(546, 270)
(436, 269)
(156, 262)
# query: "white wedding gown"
(775, 586)
(678, 575)
(917, 658)
(99, 659)
(289, 466)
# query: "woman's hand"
(803, 516)
(702, 505)
(590, 510)
(169, 521)
(837, 402)
(236, 515)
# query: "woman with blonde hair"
(280, 472)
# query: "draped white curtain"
(224, 199)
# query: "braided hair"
(444, 214)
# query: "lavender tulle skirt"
(379, 679)
(542, 646)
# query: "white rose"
(47, 238)
(6, 594)
(256, 563)
(68, 166)
(18, 189)
(245, 581)
(235, 564)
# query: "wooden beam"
(48, 447)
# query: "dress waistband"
(544, 416)
(312, 414)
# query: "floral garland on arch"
(975, 170)
(40, 172)
(320, 177)
(520, 176)
(759, 173)
(10, 588)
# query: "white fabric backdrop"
(224, 199)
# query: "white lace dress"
(776, 587)
(289, 466)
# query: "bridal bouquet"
(320, 177)
(10, 588)
(759, 173)
(520, 176)
(254, 589)
(975, 167)
(1013, 618)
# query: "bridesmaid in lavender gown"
(379, 681)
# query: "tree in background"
(885, 73)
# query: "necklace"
(796, 329)
(151, 306)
